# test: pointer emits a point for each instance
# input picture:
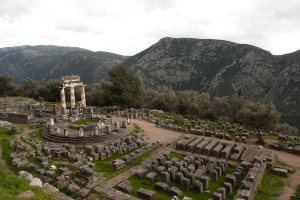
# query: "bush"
(12, 131)
(40, 99)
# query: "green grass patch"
(18, 100)
(297, 194)
(6, 134)
(176, 155)
(11, 186)
(6, 151)
(84, 122)
(270, 187)
(271, 137)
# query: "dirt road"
(157, 134)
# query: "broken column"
(96, 131)
(66, 132)
(107, 129)
(83, 102)
(80, 132)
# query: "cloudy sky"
(129, 26)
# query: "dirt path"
(26, 130)
(294, 179)
(157, 134)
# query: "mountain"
(42, 63)
(222, 68)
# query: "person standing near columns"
(72, 97)
(83, 102)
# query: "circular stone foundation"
(56, 133)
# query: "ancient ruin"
(69, 151)
(71, 82)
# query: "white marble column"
(83, 102)
(72, 97)
(63, 102)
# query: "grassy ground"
(11, 186)
(297, 194)
(84, 122)
(137, 183)
(271, 137)
(270, 187)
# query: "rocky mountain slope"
(222, 68)
(42, 63)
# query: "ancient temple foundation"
(71, 82)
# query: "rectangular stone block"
(280, 172)
(217, 196)
(226, 151)
(165, 177)
(217, 150)
(222, 191)
(205, 181)
(103, 156)
(175, 191)
(201, 145)
(231, 179)
(185, 183)
(161, 186)
(191, 147)
(198, 187)
(147, 194)
(228, 188)
(208, 148)
(213, 175)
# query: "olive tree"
(6, 85)
(29, 88)
(259, 117)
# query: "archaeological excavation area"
(93, 153)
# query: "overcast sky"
(129, 26)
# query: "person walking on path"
(157, 123)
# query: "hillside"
(42, 63)
(222, 68)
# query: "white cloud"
(128, 27)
